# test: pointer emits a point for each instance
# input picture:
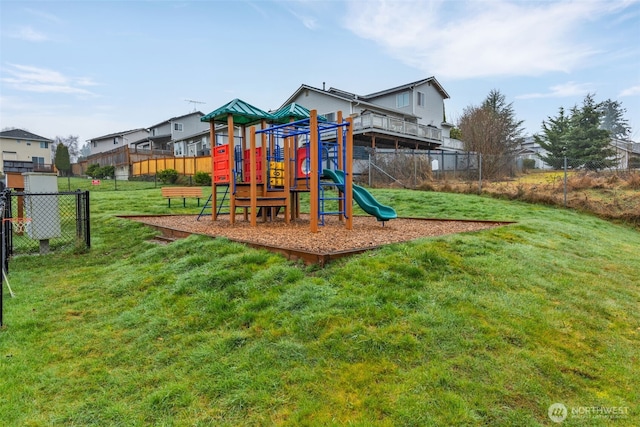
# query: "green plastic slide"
(363, 198)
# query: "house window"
(38, 160)
(44, 145)
(94, 143)
(402, 100)
(115, 141)
(177, 127)
(331, 117)
(28, 143)
(420, 100)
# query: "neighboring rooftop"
(23, 134)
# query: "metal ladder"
(221, 204)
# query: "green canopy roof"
(243, 113)
(293, 111)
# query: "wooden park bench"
(181, 193)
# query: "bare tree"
(71, 142)
(492, 130)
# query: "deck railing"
(391, 124)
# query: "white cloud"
(44, 15)
(465, 39)
(630, 91)
(41, 80)
(308, 21)
(561, 91)
(29, 34)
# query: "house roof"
(349, 97)
(111, 135)
(173, 119)
(200, 133)
(243, 113)
(23, 134)
(432, 80)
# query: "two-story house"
(407, 116)
(192, 145)
(23, 151)
(102, 144)
(162, 135)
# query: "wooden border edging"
(308, 257)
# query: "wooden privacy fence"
(183, 165)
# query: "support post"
(348, 186)
(264, 144)
(479, 173)
(341, 161)
(232, 174)
(285, 178)
(314, 173)
(214, 189)
(253, 189)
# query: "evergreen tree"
(588, 144)
(62, 160)
(554, 139)
(613, 119)
(509, 129)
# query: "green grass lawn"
(484, 328)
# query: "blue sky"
(91, 68)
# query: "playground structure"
(297, 152)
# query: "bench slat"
(181, 193)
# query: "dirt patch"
(367, 232)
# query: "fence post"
(415, 170)
(5, 197)
(455, 166)
(565, 182)
(369, 170)
(479, 173)
(87, 217)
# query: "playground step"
(262, 201)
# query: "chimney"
(323, 83)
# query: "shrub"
(92, 170)
(633, 181)
(528, 164)
(106, 172)
(202, 178)
(168, 176)
(580, 181)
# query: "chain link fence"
(424, 169)
(45, 222)
(35, 223)
(122, 182)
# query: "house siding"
(389, 101)
(433, 111)
(161, 129)
(190, 125)
(23, 150)
(104, 144)
(324, 103)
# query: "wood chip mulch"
(367, 232)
